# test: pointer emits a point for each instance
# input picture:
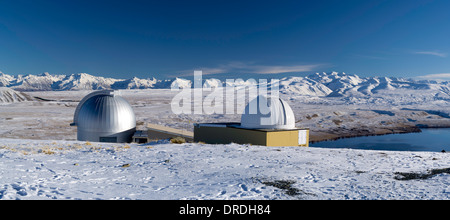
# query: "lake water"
(428, 140)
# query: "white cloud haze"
(437, 77)
(434, 53)
(243, 67)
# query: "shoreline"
(336, 134)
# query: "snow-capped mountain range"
(340, 84)
(79, 81)
(319, 84)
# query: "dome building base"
(226, 133)
(104, 116)
(121, 137)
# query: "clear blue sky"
(121, 39)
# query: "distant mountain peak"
(44, 74)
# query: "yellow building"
(267, 121)
(225, 133)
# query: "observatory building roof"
(268, 113)
(104, 111)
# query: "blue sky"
(404, 38)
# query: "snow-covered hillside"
(8, 95)
(83, 170)
(303, 86)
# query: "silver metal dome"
(104, 116)
(268, 113)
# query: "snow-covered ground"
(31, 169)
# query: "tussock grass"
(178, 140)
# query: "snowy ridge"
(303, 86)
(317, 85)
(83, 81)
(134, 83)
(8, 95)
(342, 84)
(79, 81)
(179, 83)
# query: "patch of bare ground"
(420, 176)
(338, 133)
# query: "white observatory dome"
(104, 116)
(268, 113)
